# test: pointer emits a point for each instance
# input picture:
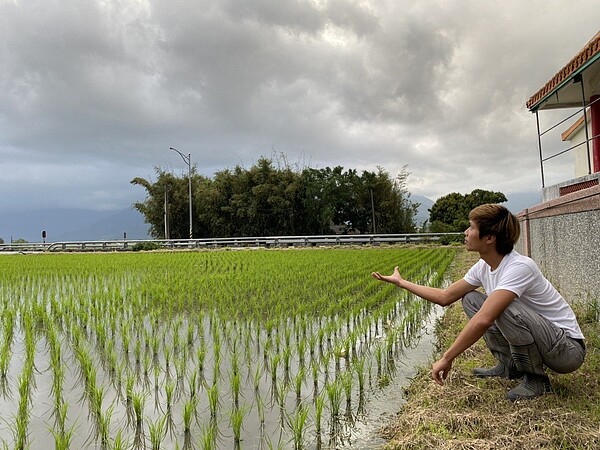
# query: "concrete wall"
(562, 236)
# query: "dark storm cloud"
(94, 93)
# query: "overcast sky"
(93, 93)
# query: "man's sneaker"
(532, 386)
(499, 370)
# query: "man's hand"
(394, 278)
(440, 370)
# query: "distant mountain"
(422, 211)
(519, 201)
(90, 225)
(72, 225)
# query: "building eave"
(586, 57)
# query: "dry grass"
(471, 413)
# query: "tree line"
(451, 212)
(277, 200)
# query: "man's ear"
(490, 239)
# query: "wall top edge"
(591, 197)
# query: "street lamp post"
(188, 160)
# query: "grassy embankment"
(471, 413)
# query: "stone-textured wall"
(563, 237)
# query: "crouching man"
(525, 322)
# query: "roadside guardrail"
(268, 241)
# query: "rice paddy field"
(202, 350)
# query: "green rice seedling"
(190, 335)
(60, 415)
(119, 442)
(297, 424)
(234, 359)
(217, 368)
(104, 426)
(278, 342)
(212, 393)
(236, 385)
(359, 367)
(248, 354)
(301, 347)
(96, 399)
(170, 387)
(193, 385)
(189, 412)
(281, 396)
(236, 420)
(321, 338)
(58, 377)
(312, 345)
(176, 341)
(146, 365)
(180, 367)
(266, 348)
(167, 353)
(298, 381)
(201, 357)
(101, 336)
(334, 394)
(139, 401)
(208, 439)
(112, 361)
(169, 402)
(314, 366)
(347, 382)
(325, 364)
(216, 343)
(287, 357)
(288, 336)
(22, 420)
(137, 353)
(155, 346)
(129, 393)
(273, 364)
(62, 439)
(319, 407)
(256, 377)
(157, 431)
(260, 407)
(379, 358)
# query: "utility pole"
(166, 211)
(373, 210)
(188, 160)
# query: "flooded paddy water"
(264, 349)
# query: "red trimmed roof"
(588, 52)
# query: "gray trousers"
(520, 326)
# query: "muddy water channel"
(191, 351)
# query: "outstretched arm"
(443, 297)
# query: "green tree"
(167, 200)
(268, 200)
(450, 213)
(394, 212)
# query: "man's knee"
(472, 302)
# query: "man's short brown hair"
(495, 220)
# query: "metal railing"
(269, 241)
(586, 142)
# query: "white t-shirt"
(521, 275)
